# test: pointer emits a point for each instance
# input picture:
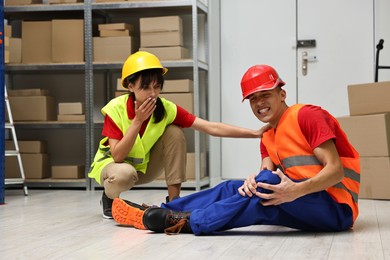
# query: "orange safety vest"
(290, 152)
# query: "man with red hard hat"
(309, 180)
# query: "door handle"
(305, 60)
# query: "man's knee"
(266, 176)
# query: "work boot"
(127, 213)
(106, 202)
(164, 220)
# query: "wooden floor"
(67, 224)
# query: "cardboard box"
(21, 2)
(68, 171)
(15, 50)
(116, 27)
(178, 85)
(119, 86)
(6, 55)
(6, 41)
(161, 24)
(36, 42)
(64, 1)
(11, 167)
(70, 118)
(370, 98)
(369, 134)
(68, 41)
(160, 39)
(8, 30)
(168, 53)
(34, 108)
(70, 108)
(185, 100)
(27, 146)
(107, 1)
(114, 33)
(113, 49)
(190, 170)
(35, 166)
(374, 178)
(28, 92)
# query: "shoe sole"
(106, 217)
(127, 215)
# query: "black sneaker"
(106, 202)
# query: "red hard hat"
(259, 78)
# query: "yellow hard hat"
(139, 61)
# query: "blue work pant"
(222, 208)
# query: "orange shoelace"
(175, 229)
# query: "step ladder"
(9, 126)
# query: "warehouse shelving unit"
(38, 130)
(195, 15)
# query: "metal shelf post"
(2, 112)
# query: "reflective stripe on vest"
(107, 154)
(312, 160)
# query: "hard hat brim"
(264, 87)
(164, 71)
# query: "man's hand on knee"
(249, 186)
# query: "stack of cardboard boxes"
(57, 41)
(29, 2)
(12, 46)
(64, 1)
(32, 105)
(71, 111)
(163, 36)
(115, 42)
(42, 42)
(21, 2)
(180, 92)
(368, 129)
(107, 1)
(34, 156)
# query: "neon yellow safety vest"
(138, 156)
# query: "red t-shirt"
(318, 126)
(183, 119)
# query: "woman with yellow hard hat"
(142, 134)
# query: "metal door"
(271, 32)
(343, 52)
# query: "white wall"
(382, 31)
(236, 62)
